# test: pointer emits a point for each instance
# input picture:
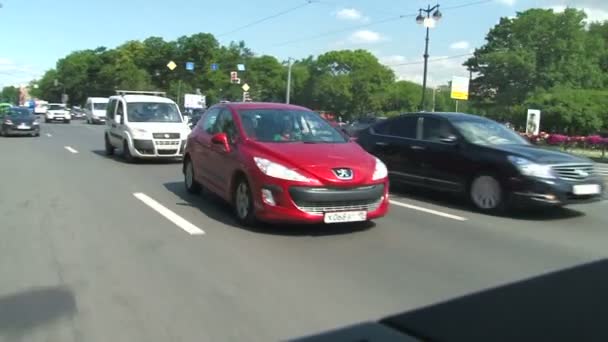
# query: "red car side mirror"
(221, 139)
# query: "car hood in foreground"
(320, 158)
(541, 155)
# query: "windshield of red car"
(282, 125)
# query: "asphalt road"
(86, 256)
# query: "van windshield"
(153, 112)
(100, 105)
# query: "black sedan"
(491, 164)
(19, 121)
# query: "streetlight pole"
(288, 91)
(428, 21)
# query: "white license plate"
(345, 216)
(23, 127)
(586, 189)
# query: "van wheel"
(487, 194)
(127, 153)
(192, 186)
(109, 147)
(243, 203)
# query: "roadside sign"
(190, 66)
(460, 88)
(193, 101)
(214, 66)
(234, 75)
(533, 122)
(245, 87)
(171, 65)
(240, 67)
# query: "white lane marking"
(428, 211)
(169, 215)
(49, 135)
(70, 149)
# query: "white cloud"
(593, 14)
(12, 73)
(461, 45)
(349, 14)
(440, 71)
(365, 37)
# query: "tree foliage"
(349, 83)
(551, 61)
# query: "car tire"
(66, 121)
(192, 186)
(108, 145)
(243, 203)
(487, 194)
(47, 120)
(126, 152)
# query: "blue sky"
(35, 33)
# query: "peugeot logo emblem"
(167, 136)
(343, 173)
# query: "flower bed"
(592, 145)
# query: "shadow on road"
(24, 311)
(217, 209)
(460, 202)
(117, 157)
(567, 305)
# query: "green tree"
(348, 82)
(9, 94)
(539, 49)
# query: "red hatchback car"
(283, 163)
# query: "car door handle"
(380, 143)
(418, 148)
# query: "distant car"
(195, 117)
(19, 121)
(493, 165)
(95, 110)
(283, 163)
(360, 124)
(57, 112)
(77, 113)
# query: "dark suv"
(490, 163)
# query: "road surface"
(95, 249)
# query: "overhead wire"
(374, 23)
(276, 15)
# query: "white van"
(95, 110)
(145, 125)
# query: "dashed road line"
(72, 150)
(428, 211)
(49, 135)
(169, 215)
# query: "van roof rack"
(141, 92)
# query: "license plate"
(345, 216)
(586, 189)
(23, 126)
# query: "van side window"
(109, 109)
(120, 109)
